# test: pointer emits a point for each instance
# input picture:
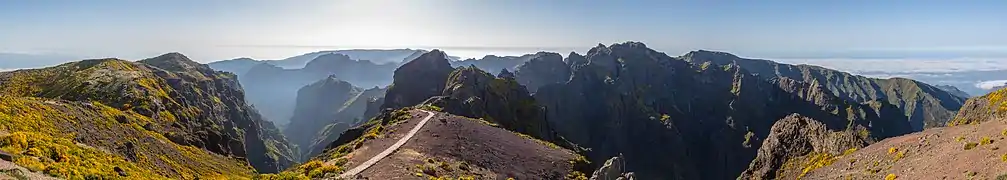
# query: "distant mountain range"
(376, 56)
(622, 110)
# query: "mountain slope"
(954, 91)
(925, 105)
(969, 148)
(675, 120)
(983, 108)
(161, 117)
(450, 146)
(969, 151)
(471, 92)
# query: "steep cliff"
(418, 80)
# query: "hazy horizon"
(217, 30)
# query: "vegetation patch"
(61, 157)
(891, 177)
(970, 145)
(313, 169)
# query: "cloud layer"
(895, 66)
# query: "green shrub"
(970, 146)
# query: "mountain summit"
(418, 80)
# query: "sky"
(210, 30)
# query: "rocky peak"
(575, 61)
(504, 73)
(435, 59)
(474, 93)
(418, 80)
(544, 69)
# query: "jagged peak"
(600, 48)
(434, 58)
(504, 73)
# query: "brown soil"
(454, 146)
(938, 153)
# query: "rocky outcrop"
(613, 169)
(795, 138)
(474, 93)
(925, 105)
(542, 69)
(418, 80)
(992, 106)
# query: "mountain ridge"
(168, 108)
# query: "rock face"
(796, 139)
(542, 69)
(317, 106)
(925, 105)
(172, 117)
(991, 106)
(474, 93)
(676, 120)
(418, 80)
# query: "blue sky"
(210, 30)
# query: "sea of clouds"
(973, 75)
(906, 65)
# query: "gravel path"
(386, 152)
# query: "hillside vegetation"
(164, 117)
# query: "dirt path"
(386, 152)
